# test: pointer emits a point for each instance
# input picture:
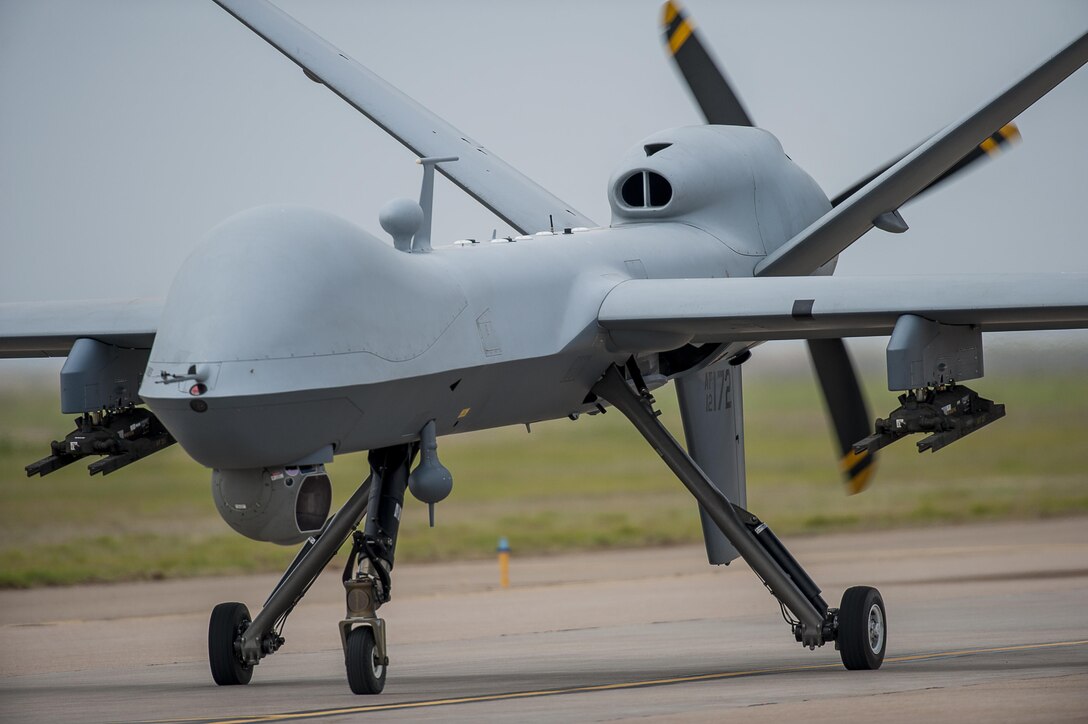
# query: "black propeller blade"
(720, 105)
(992, 146)
(846, 406)
(831, 361)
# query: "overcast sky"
(128, 129)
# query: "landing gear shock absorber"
(367, 575)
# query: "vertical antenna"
(422, 240)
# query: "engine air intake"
(646, 190)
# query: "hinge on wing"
(891, 222)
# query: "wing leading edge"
(843, 225)
(768, 308)
(49, 329)
(509, 194)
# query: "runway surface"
(985, 622)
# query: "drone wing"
(49, 329)
(844, 224)
(753, 309)
(516, 199)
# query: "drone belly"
(248, 414)
(474, 398)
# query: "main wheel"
(366, 672)
(863, 628)
(228, 622)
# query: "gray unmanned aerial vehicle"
(717, 242)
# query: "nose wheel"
(863, 628)
(366, 667)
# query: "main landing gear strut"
(858, 627)
(237, 643)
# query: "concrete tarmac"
(986, 622)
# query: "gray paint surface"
(48, 329)
(313, 334)
(791, 308)
(885, 194)
(712, 412)
(124, 139)
(513, 197)
(319, 333)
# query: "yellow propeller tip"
(669, 11)
(857, 470)
(860, 482)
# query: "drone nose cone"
(259, 281)
(290, 307)
(287, 282)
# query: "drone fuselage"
(299, 334)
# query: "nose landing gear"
(362, 632)
(366, 667)
(237, 643)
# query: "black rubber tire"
(366, 675)
(228, 622)
(863, 628)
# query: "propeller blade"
(720, 105)
(846, 407)
(992, 146)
